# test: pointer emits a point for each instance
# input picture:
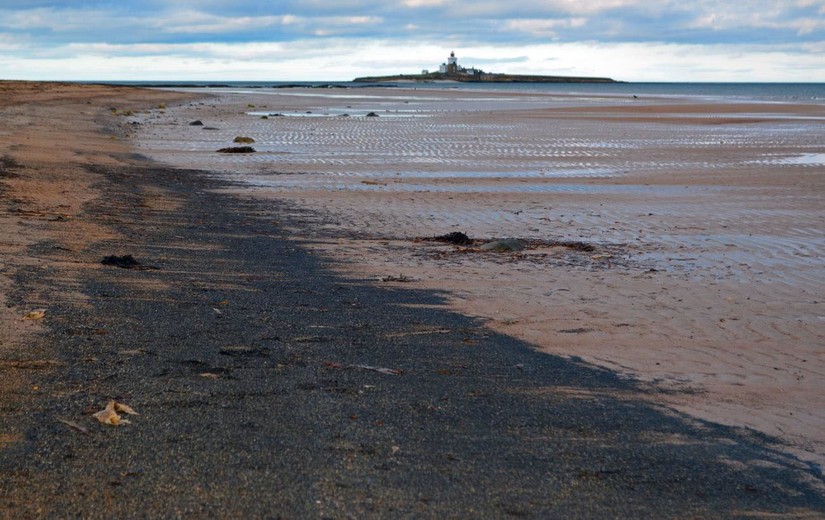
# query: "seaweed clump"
(237, 149)
(456, 238)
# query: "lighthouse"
(452, 63)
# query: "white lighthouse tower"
(452, 63)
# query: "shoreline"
(257, 370)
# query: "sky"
(337, 40)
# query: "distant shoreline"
(810, 92)
(482, 78)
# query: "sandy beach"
(705, 219)
(290, 341)
(51, 136)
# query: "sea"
(778, 92)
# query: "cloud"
(9, 43)
(59, 21)
(194, 22)
(699, 21)
(593, 6)
(344, 58)
(542, 27)
(800, 18)
(408, 35)
(423, 3)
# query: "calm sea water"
(736, 91)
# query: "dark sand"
(252, 365)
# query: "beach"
(51, 137)
(705, 218)
(294, 340)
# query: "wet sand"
(267, 384)
(706, 219)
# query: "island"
(452, 71)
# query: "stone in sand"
(505, 245)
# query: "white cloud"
(9, 43)
(720, 21)
(194, 22)
(28, 19)
(808, 25)
(592, 6)
(757, 16)
(61, 21)
(344, 59)
(199, 23)
(392, 36)
(812, 3)
(542, 27)
(423, 3)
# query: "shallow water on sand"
(425, 143)
(446, 136)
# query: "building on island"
(452, 71)
(453, 68)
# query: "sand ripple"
(713, 215)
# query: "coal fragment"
(125, 262)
